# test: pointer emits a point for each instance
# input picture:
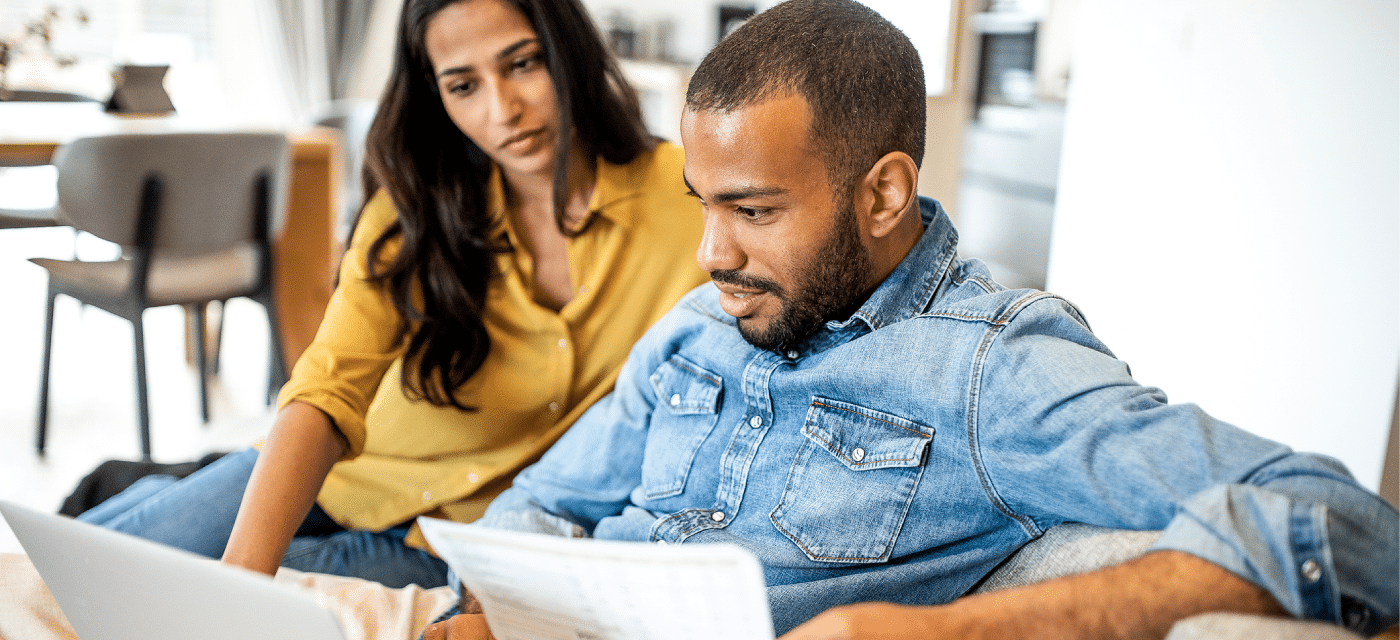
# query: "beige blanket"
(366, 610)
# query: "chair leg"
(277, 373)
(143, 408)
(44, 375)
(201, 358)
(217, 348)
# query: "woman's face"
(490, 71)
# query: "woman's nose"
(506, 103)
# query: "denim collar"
(909, 289)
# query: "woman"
(523, 231)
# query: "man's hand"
(468, 626)
(870, 621)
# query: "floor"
(92, 414)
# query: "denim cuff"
(1264, 538)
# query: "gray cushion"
(1065, 550)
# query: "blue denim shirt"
(903, 453)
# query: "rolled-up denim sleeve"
(1325, 548)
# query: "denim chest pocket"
(687, 407)
(852, 482)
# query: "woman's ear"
(886, 193)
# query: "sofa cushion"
(1065, 550)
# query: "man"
(877, 421)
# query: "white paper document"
(538, 587)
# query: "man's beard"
(831, 282)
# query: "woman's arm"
(293, 464)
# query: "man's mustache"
(741, 279)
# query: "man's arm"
(1121, 456)
(1141, 598)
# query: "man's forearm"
(1142, 598)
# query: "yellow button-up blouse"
(407, 458)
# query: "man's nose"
(718, 249)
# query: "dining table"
(306, 252)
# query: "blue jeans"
(197, 514)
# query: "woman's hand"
(467, 626)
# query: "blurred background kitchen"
(1215, 183)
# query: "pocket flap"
(686, 388)
(863, 438)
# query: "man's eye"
(750, 212)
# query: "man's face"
(785, 257)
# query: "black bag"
(112, 476)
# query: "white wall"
(1229, 216)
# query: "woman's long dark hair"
(436, 178)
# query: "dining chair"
(195, 215)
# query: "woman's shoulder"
(376, 216)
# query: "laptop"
(113, 586)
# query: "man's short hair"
(859, 74)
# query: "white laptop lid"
(113, 586)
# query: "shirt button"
(676, 400)
(661, 542)
(756, 422)
(717, 516)
(858, 454)
(792, 354)
(1311, 570)
(427, 496)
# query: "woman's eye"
(461, 88)
(528, 62)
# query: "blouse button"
(554, 407)
(1311, 571)
(563, 344)
(858, 454)
(471, 477)
(676, 400)
(427, 496)
(717, 516)
(756, 422)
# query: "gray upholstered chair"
(194, 213)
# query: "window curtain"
(284, 61)
(347, 24)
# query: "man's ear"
(886, 192)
